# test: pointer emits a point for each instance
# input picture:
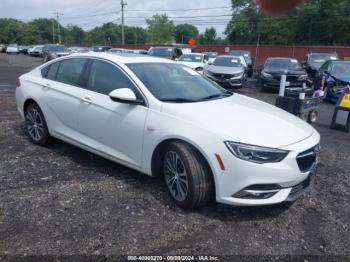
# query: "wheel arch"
(157, 154)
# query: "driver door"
(113, 128)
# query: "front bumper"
(273, 82)
(287, 179)
(228, 82)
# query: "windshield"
(211, 54)
(245, 54)
(161, 52)
(57, 48)
(191, 58)
(176, 83)
(283, 63)
(321, 59)
(227, 62)
(341, 69)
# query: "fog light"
(251, 194)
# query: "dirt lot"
(63, 200)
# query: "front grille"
(290, 78)
(308, 158)
(223, 76)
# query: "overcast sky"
(90, 13)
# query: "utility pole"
(122, 5)
(53, 30)
(58, 26)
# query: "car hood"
(224, 70)
(193, 65)
(280, 71)
(242, 119)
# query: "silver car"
(227, 71)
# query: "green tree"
(209, 36)
(184, 32)
(160, 30)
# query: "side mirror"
(176, 59)
(124, 95)
(210, 62)
(326, 73)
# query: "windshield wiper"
(215, 96)
(178, 100)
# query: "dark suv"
(314, 61)
(53, 51)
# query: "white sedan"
(165, 119)
(196, 61)
(12, 49)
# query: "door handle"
(86, 100)
(46, 85)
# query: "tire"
(36, 125)
(261, 87)
(187, 176)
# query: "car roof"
(281, 57)
(125, 58)
(327, 53)
(228, 56)
(194, 54)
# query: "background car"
(12, 49)
(52, 51)
(101, 48)
(36, 50)
(195, 61)
(248, 58)
(165, 52)
(227, 71)
(314, 61)
(119, 50)
(271, 71)
(333, 77)
(211, 55)
(2, 48)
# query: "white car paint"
(129, 134)
(12, 49)
(194, 65)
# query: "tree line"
(317, 22)
(160, 30)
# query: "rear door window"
(70, 70)
(52, 72)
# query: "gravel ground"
(61, 200)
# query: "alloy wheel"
(175, 176)
(35, 125)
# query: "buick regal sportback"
(165, 119)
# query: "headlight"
(256, 154)
(303, 77)
(267, 75)
(237, 74)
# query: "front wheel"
(187, 176)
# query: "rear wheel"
(36, 125)
(187, 176)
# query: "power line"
(180, 10)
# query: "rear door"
(63, 94)
(116, 129)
